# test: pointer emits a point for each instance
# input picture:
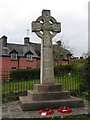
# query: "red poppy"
(64, 110)
(47, 111)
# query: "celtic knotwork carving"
(46, 22)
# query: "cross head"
(46, 23)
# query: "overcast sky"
(16, 17)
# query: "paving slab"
(13, 110)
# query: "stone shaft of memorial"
(46, 27)
(47, 72)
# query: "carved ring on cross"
(46, 22)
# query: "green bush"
(23, 74)
(66, 69)
(61, 69)
(85, 82)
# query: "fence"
(5, 75)
(70, 81)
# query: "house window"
(13, 68)
(28, 67)
(29, 57)
(13, 56)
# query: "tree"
(67, 47)
(85, 54)
(57, 51)
(60, 51)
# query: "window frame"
(13, 56)
(13, 68)
(29, 57)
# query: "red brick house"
(23, 56)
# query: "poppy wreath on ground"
(64, 110)
(46, 111)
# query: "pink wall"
(24, 64)
(69, 57)
(61, 63)
(0, 63)
(7, 63)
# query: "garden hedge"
(61, 69)
(34, 73)
(23, 74)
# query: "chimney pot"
(4, 40)
(26, 40)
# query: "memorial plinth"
(47, 94)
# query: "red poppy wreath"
(64, 110)
(46, 111)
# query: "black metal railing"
(70, 81)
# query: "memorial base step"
(47, 87)
(27, 104)
(48, 96)
(55, 95)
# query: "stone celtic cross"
(46, 27)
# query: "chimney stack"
(4, 41)
(26, 41)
